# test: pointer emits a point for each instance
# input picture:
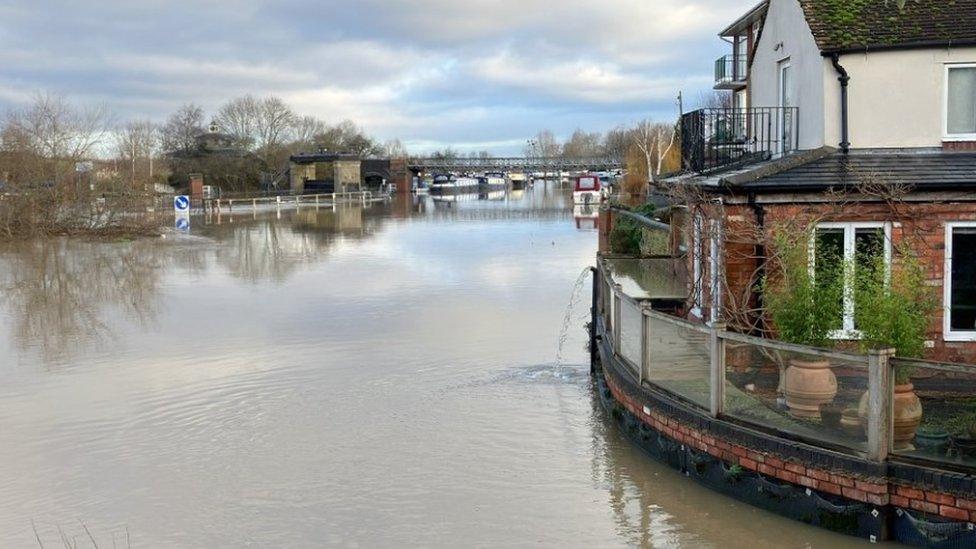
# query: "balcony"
(731, 72)
(713, 139)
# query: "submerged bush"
(627, 234)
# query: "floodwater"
(365, 377)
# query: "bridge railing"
(514, 163)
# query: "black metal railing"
(730, 69)
(716, 138)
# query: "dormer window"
(960, 122)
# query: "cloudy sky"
(473, 74)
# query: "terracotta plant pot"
(907, 415)
(808, 385)
(850, 422)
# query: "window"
(960, 282)
(785, 101)
(960, 105)
(741, 56)
(836, 244)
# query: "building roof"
(756, 13)
(311, 158)
(920, 171)
(857, 25)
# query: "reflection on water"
(368, 376)
(58, 295)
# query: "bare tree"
(616, 142)
(137, 143)
(654, 140)
(304, 129)
(347, 137)
(583, 145)
(56, 134)
(715, 100)
(239, 119)
(180, 132)
(274, 121)
(394, 148)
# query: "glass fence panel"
(679, 360)
(935, 412)
(803, 395)
(630, 332)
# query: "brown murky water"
(363, 377)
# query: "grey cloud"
(432, 72)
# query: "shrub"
(892, 306)
(626, 236)
(804, 306)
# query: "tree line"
(44, 142)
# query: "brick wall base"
(884, 494)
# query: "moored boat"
(452, 184)
(492, 181)
(588, 189)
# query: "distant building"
(327, 172)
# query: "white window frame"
(948, 334)
(715, 271)
(946, 136)
(696, 265)
(847, 330)
(781, 67)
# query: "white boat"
(492, 181)
(587, 216)
(451, 198)
(451, 184)
(588, 189)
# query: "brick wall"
(874, 491)
(918, 225)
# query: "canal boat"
(588, 189)
(447, 184)
(492, 181)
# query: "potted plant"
(893, 306)
(931, 438)
(963, 434)
(804, 307)
(830, 415)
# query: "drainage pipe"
(844, 79)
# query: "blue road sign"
(181, 203)
(183, 224)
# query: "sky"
(470, 74)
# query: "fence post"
(616, 319)
(645, 365)
(880, 404)
(594, 311)
(716, 351)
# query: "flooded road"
(361, 377)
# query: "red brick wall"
(789, 469)
(959, 145)
(920, 226)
